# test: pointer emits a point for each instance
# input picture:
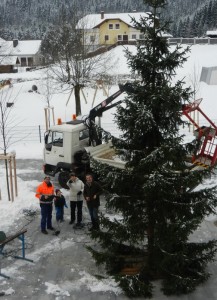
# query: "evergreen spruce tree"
(154, 196)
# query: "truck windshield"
(53, 138)
(57, 139)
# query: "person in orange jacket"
(45, 194)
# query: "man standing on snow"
(45, 194)
(76, 187)
(92, 190)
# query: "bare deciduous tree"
(194, 79)
(7, 123)
(48, 87)
(67, 49)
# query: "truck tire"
(63, 178)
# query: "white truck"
(69, 145)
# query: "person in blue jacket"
(59, 202)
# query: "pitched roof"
(8, 60)
(94, 20)
(30, 47)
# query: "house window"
(141, 36)
(110, 26)
(117, 26)
(134, 36)
(106, 37)
(92, 38)
(119, 37)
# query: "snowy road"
(62, 268)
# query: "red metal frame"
(207, 154)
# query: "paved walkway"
(64, 269)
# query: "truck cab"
(64, 148)
(65, 144)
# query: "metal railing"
(24, 133)
(192, 41)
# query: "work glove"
(79, 193)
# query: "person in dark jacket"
(59, 202)
(92, 190)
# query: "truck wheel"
(63, 178)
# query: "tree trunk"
(77, 99)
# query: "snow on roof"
(211, 32)
(94, 20)
(166, 34)
(30, 47)
(8, 60)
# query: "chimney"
(15, 43)
(102, 14)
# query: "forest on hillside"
(202, 20)
(27, 19)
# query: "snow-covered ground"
(29, 111)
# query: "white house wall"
(133, 32)
(89, 35)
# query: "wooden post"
(47, 111)
(10, 157)
(53, 115)
(94, 95)
(99, 84)
(15, 175)
(104, 90)
(46, 118)
(11, 179)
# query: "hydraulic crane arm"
(97, 111)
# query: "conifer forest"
(27, 19)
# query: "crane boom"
(97, 111)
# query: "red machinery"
(206, 155)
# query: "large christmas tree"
(154, 197)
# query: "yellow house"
(107, 29)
